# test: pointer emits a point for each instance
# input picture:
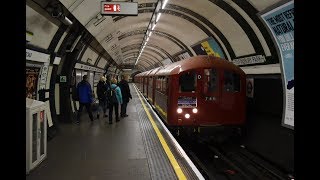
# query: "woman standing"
(114, 99)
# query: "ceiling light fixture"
(152, 24)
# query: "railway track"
(229, 161)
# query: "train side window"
(159, 83)
(231, 82)
(210, 80)
(150, 81)
(166, 82)
(187, 82)
(163, 84)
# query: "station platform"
(137, 147)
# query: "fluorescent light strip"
(158, 17)
(164, 4)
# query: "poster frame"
(207, 39)
(260, 14)
(36, 65)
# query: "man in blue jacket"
(85, 97)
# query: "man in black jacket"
(102, 96)
(125, 91)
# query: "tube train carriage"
(201, 92)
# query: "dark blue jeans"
(103, 106)
(88, 107)
(114, 106)
(123, 108)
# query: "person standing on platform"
(108, 85)
(114, 98)
(85, 97)
(126, 95)
(102, 96)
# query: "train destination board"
(187, 102)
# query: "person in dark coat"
(108, 81)
(125, 91)
(85, 97)
(102, 96)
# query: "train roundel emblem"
(250, 87)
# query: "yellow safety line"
(164, 144)
(161, 110)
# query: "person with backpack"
(125, 91)
(114, 98)
(102, 96)
(85, 97)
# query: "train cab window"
(210, 80)
(187, 82)
(231, 82)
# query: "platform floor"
(99, 151)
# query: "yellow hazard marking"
(161, 110)
(164, 144)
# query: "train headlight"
(194, 110)
(187, 116)
(179, 110)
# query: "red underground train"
(201, 93)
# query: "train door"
(150, 88)
(210, 96)
(145, 86)
(142, 84)
(156, 85)
(229, 94)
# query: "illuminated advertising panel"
(279, 21)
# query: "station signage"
(119, 8)
(88, 68)
(111, 8)
(37, 56)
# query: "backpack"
(111, 95)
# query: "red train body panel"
(211, 90)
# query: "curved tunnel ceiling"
(182, 24)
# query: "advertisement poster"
(32, 74)
(280, 22)
(209, 47)
(43, 77)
